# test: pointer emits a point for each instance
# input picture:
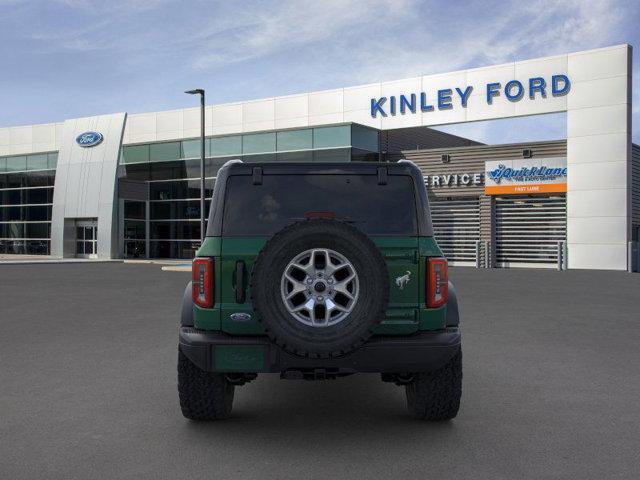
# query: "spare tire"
(319, 287)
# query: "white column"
(599, 158)
(86, 183)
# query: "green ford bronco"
(315, 271)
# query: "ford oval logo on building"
(89, 139)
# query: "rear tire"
(203, 395)
(435, 396)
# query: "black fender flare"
(186, 315)
(453, 316)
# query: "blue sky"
(72, 58)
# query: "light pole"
(200, 91)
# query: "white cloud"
(508, 32)
(289, 25)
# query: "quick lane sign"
(525, 176)
(445, 99)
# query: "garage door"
(456, 225)
(528, 230)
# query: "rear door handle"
(240, 290)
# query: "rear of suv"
(318, 271)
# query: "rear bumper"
(420, 352)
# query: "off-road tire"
(305, 340)
(436, 395)
(203, 395)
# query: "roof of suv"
(256, 170)
(236, 167)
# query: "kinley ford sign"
(447, 98)
(504, 177)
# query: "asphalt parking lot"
(88, 387)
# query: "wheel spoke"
(308, 306)
(297, 288)
(342, 287)
(311, 309)
(307, 269)
(331, 268)
(293, 280)
(331, 306)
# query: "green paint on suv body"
(405, 258)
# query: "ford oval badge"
(89, 139)
(240, 317)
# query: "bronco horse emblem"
(402, 280)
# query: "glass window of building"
(259, 157)
(16, 164)
(179, 189)
(295, 140)
(37, 162)
(52, 160)
(259, 143)
(175, 230)
(135, 154)
(176, 210)
(168, 170)
(26, 197)
(134, 210)
(364, 138)
(332, 155)
(191, 148)
(300, 156)
(162, 152)
(328, 137)
(173, 249)
(135, 232)
(226, 146)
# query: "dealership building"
(127, 185)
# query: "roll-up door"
(456, 226)
(528, 230)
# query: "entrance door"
(87, 239)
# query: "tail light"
(437, 282)
(202, 282)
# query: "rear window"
(283, 199)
